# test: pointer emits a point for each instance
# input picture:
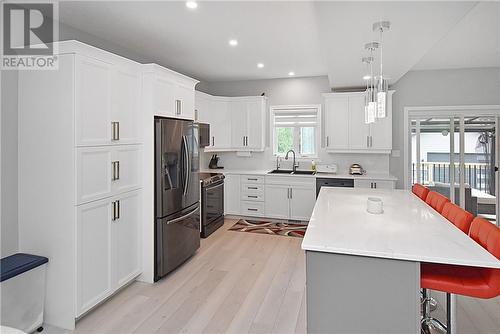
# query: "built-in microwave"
(204, 131)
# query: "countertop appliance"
(204, 130)
(328, 168)
(177, 193)
(214, 162)
(333, 182)
(356, 169)
(212, 202)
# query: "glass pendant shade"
(372, 112)
(382, 88)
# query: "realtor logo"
(29, 30)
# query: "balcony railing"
(477, 175)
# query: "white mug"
(374, 205)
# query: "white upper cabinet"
(239, 124)
(168, 93)
(359, 131)
(220, 126)
(336, 122)
(107, 98)
(345, 127)
(236, 123)
(184, 102)
(125, 103)
(92, 101)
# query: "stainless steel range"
(212, 202)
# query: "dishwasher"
(333, 182)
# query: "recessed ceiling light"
(191, 4)
(260, 65)
(233, 42)
(367, 77)
(291, 74)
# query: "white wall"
(439, 88)
(9, 226)
(286, 91)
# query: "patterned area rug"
(263, 227)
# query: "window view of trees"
(285, 139)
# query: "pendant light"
(382, 84)
(370, 102)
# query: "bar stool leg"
(428, 324)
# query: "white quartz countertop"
(368, 176)
(408, 229)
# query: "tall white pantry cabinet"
(80, 180)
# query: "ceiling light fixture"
(191, 4)
(233, 42)
(260, 65)
(382, 85)
(370, 104)
(291, 73)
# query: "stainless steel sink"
(291, 172)
(304, 172)
(281, 171)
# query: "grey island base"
(358, 294)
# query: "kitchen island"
(363, 270)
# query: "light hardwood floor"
(238, 283)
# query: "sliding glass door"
(456, 155)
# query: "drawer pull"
(251, 209)
(252, 196)
(255, 188)
(252, 179)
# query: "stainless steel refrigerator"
(177, 193)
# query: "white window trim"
(272, 111)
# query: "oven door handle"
(215, 187)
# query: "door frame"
(456, 111)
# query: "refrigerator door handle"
(176, 220)
(187, 168)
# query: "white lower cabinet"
(277, 203)
(232, 194)
(374, 184)
(290, 197)
(108, 247)
(302, 199)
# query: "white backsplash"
(372, 163)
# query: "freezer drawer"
(177, 239)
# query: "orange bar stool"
(458, 216)
(436, 200)
(420, 191)
(467, 281)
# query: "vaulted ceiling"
(308, 38)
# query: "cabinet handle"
(116, 170)
(246, 141)
(252, 196)
(288, 193)
(251, 209)
(291, 193)
(371, 141)
(327, 141)
(375, 184)
(243, 140)
(178, 107)
(251, 179)
(255, 188)
(115, 130)
(213, 141)
(118, 209)
(114, 211)
(367, 141)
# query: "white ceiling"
(473, 42)
(309, 38)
